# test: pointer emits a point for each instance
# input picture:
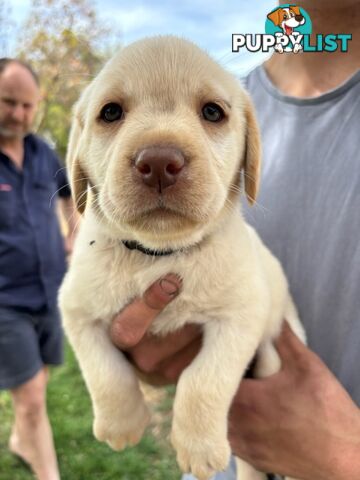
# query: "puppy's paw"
(201, 456)
(119, 431)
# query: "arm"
(299, 422)
(72, 219)
(69, 217)
(304, 399)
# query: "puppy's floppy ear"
(78, 179)
(275, 16)
(252, 156)
(295, 9)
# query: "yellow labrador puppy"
(162, 142)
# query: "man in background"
(32, 264)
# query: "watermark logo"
(288, 24)
(288, 29)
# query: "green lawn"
(80, 456)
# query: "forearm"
(299, 422)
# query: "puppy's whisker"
(81, 179)
(258, 206)
(261, 207)
(88, 189)
(81, 197)
(59, 170)
(56, 192)
(250, 177)
(235, 188)
(113, 216)
(99, 185)
(84, 194)
(76, 225)
(225, 58)
(79, 206)
(230, 205)
(64, 186)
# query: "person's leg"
(28, 342)
(31, 437)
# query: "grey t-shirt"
(308, 213)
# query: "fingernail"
(169, 286)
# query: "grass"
(80, 456)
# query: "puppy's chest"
(120, 276)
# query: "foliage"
(62, 40)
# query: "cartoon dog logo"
(287, 19)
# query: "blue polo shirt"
(32, 256)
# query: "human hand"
(159, 359)
(299, 422)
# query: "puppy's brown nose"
(159, 166)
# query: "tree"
(61, 41)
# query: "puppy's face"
(161, 136)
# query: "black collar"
(134, 245)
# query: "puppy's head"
(159, 140)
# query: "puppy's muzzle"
(159, 166)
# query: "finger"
(153, 350)
(172, 368)
(249, 390)
(288, 345)
(130, 325)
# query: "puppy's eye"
(111, 112)
(212, 112)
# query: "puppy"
(162, 142)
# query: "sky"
(209, 23)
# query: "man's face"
(19, 97)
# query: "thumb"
(288, 345)
(131, 324)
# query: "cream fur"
(232, 284)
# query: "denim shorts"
(28, 341)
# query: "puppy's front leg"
(119, 408)
(204, 394)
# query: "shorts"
(28, 341)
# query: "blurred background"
(67, 41)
